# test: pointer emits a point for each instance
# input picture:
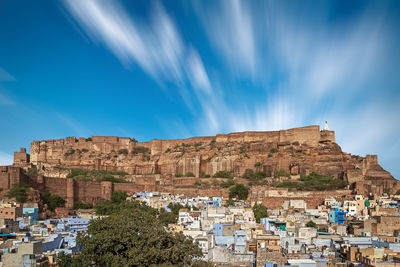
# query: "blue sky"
(175, 69)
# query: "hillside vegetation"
(314, 182)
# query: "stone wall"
(297, 151)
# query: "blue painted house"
(239, 241)
(337, 216)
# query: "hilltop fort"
(188, 165)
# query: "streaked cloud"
(5, 76)
(5, 159)
(310, 70)
(74, 126)
(230, 29)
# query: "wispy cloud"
(5, 159)
(230, 29)
(311, 69)
(155, 46)
(74, 125)
(6, 100)
(5, 76)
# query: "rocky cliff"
(297, 151)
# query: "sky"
(176, 69)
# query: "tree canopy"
(239, 191)
(260, 211)
(132, 235)
(311, 224)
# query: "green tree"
(311, 224)
(175, 207)
(52, 201)
(260, 211)
(19, 192)
(239, 191)
(134, 236)
(118, 196)
(82, 205)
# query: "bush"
(281, 173)
(239, 191)
(178, 174)
(251, 175)
(398, 192)
(212, 144)
(273, 150)
(82, 205)
(123, 151)
(204, 175)
(167, 150)
(228, 183)
(88, 139)
(52, 201)
(197, 183)
(98, 175)
(260, 211)
(223, 174)
(19, 192)
(118, 196)
(314, 182)
(84, 150)
(257, 164)
(189, 174)
(140, 149)
(69, 152)
(311, 224)
(32, 172)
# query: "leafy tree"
(118, 196)
(175, 207)
(167, 217)
(260, 211)
(230, 202)
(66, 260)
(311, 224)
(52, 201)
(19, 192)
(239, 191)
(82, 205)
(133, 235)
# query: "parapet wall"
(53, 150)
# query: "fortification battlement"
(50, 150)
